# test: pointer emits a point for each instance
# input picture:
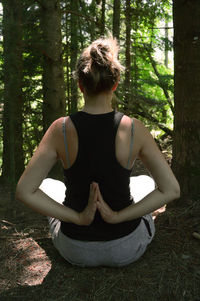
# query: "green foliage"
(151, 84)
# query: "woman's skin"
(51, 149)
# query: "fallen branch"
(196, 235)
(6, 222)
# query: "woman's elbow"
(171, 192)
(20, 193)
(175, 191)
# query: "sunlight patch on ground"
(33, 262)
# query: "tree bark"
(103, 9)
(166, 44)
(54, 103)
(186, 145)
(116, 19)
(13, 160)
(94, 25)
(74, 54)
(127, 55)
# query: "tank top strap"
(117, 119)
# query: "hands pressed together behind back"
(96, 202)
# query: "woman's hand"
(86, 217)
(96, 201)
(107, 214)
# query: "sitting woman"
(100, 216)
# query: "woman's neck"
(98, 104)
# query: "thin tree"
(103, 10)
(116, 19)
(127, 54)
(186, 145)
(67, 60)
(94, 22)
(54, 103)
(73, 53)
(166, 44)
(13, 161)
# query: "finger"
(103, 211)
(100, 208)
(94, 184)
(93, 187)
(93, 194)
(99, 194)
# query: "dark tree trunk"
(166, 44)
(74, 54)
(54, 103)
(67, 56)
(103, 10)
(116, 34)
(127, 55)
(135, 26)
(186, 145)
(93, 24)
(68, 80)
(116, 19)
(13, 161)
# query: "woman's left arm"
(39, 166)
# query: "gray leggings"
(114, 253)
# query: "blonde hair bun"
(98, 67)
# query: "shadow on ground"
(169, 270)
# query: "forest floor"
(31, 268)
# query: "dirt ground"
(31, 269)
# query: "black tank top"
(96, 161)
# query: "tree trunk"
(166, 44)
(116, 19)
(103, 9)
(93, 24)
(127, 55)
(135, 26)
(74, 54)
(186, 145)
(67, 62)
(13, 161)
(54, 103)
(116, 34)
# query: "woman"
(98, 222)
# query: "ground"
(31, 269)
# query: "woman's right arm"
(28, 190)
(167, 186)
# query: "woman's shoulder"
(57, 124)
(127, 121)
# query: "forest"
(160, 50)
(39, 49)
